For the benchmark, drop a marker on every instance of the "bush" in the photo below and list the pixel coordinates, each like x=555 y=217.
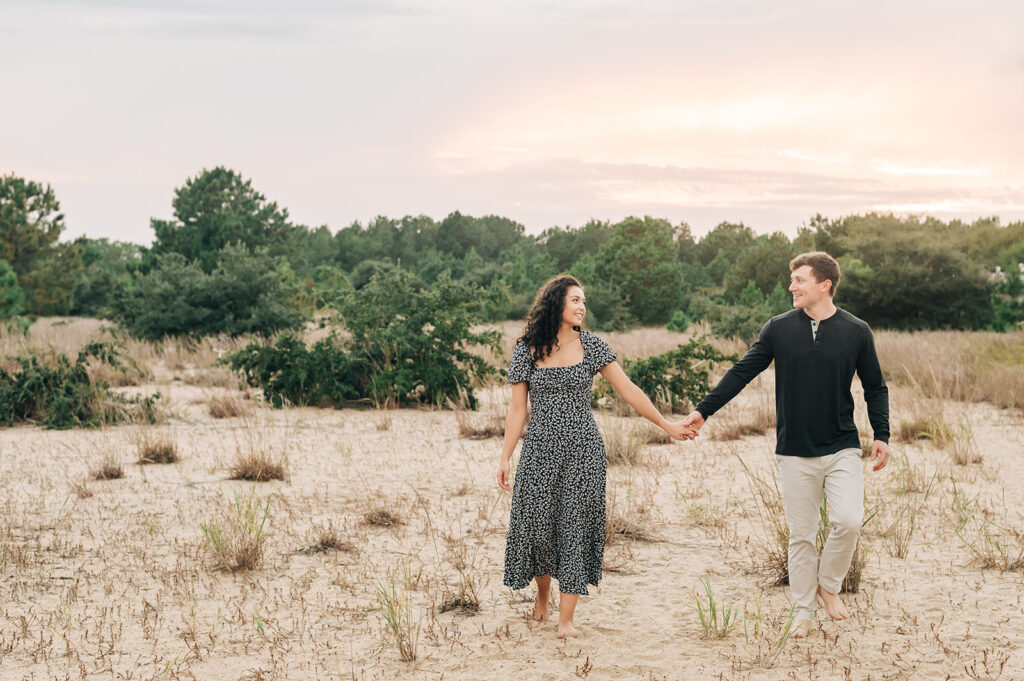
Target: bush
x=409 y=344
x=63 y=395
x=675 y=380
x=289 y=372
x=246 y=293
x=680 y=322
x=413 y=341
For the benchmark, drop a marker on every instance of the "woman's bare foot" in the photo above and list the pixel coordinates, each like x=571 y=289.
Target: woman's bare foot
x=801 y=629
x=566 y=629
x=834 y=606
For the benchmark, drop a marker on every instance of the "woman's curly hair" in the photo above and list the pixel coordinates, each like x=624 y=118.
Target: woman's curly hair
x=545 y=317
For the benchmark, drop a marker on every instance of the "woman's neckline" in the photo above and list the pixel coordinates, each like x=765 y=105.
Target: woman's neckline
x=570 y=366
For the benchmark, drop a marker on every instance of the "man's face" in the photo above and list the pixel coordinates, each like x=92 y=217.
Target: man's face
x=806 y=290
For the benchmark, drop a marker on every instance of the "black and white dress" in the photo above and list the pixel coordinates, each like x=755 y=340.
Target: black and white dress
x=558 y=502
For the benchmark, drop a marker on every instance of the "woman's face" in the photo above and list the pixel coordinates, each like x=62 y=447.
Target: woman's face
x=575 y=306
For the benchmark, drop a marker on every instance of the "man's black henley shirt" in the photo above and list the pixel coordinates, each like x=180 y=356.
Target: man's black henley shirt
x=814 y=405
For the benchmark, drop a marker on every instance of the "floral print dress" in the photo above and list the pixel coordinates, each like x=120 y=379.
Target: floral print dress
x=556 y=526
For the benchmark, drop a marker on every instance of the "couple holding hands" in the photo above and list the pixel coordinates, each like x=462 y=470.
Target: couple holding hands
x=557 y=522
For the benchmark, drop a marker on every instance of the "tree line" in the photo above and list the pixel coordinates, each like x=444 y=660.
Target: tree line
x=232 y=261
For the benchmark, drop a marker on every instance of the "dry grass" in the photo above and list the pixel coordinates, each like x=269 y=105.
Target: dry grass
x=740 y=423
x=257 y=466
x=396 y=612
x=476 y=426
x=236 y=537
x=630 y=517
x=653 y=435
x=229 y=406
x=966 y=366
x=623 y=440
x=157 y=448
x=381 y=515
x=326 y=537
x=110 y=469
x=769 y=547
x=259 y=455
x=911 y=478
x=465 y=598
x=963 y=449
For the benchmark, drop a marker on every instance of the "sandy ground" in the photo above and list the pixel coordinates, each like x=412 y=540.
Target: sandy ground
x=114 y=579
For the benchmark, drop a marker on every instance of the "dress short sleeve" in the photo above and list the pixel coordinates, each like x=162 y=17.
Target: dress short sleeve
x=598 y=353
x=521 y=365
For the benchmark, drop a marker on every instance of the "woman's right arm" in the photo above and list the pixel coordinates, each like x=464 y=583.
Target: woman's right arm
x=514 y=423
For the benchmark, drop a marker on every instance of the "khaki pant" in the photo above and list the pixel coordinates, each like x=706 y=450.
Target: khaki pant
x=802 y=480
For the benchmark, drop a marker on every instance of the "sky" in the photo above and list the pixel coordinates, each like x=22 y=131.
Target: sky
x=549 y=113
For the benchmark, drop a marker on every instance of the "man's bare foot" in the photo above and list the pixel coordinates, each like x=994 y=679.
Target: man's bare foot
x=801 y=629
x=540 y=608
x=567 y=630
x=834 y=606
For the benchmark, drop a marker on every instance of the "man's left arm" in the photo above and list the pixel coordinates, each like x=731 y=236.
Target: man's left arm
x=876 y=395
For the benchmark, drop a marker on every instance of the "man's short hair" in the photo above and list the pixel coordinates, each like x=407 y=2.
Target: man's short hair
x=823 y=266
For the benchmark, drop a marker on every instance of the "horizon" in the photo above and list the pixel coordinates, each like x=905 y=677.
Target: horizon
x=550 y=116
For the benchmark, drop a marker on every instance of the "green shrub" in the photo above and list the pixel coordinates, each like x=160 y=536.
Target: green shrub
x=680 y=322
x=415 y=339
x=246 y=293
x=288 y=371
x=675 y=380
x=64 y=396
x=409 y=344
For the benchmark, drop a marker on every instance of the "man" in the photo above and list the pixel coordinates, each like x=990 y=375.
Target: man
x=816 y=347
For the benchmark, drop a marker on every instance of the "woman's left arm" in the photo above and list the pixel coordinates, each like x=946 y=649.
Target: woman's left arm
x=637 y=399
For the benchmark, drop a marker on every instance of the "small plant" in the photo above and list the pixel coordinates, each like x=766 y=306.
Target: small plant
x=382 y=516
x=228 y=406
x=396 y=613
x=157 y=449
x=324 y=538
x=257 y=466
x=901 y=531
x=910 y=478
x=716 y=618
x=963 y=448
x=257 y=458
x=766 y=637
x=236 y=539
x=465 y=597
x=110 y=469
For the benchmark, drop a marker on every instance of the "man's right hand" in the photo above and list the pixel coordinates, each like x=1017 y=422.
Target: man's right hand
x=694 y=420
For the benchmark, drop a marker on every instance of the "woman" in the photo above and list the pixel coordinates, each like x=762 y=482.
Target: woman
x=556 y=528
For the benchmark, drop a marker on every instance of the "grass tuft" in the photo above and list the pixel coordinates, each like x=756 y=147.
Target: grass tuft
x=716 y=618
x=395 y=611
x=237 y=537
x=110 y=469
x=228 y=406
x=326 y=538
x=380 y=516
x=157 y=449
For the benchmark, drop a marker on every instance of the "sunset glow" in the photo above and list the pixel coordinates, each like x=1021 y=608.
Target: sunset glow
x=695 y=113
